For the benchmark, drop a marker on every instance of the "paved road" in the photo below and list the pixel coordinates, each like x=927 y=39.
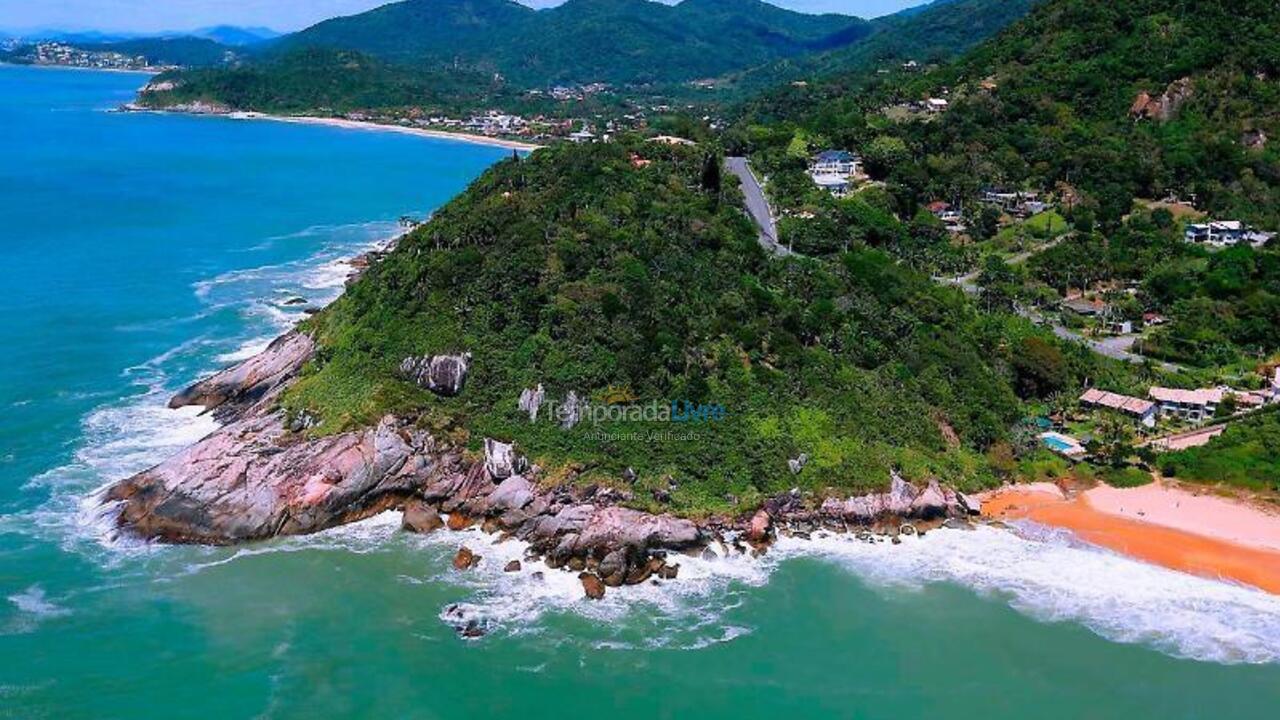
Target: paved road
x=969 y=283
x=1118 y=347
x=757 y=205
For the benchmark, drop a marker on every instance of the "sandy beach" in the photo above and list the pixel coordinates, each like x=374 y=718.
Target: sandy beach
x=380 y=127
x=1164 y=525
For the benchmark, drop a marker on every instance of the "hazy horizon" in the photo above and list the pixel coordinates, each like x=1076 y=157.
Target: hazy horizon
x=155 y=16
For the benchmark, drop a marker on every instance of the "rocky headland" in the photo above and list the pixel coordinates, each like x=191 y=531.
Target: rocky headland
x=263 y=475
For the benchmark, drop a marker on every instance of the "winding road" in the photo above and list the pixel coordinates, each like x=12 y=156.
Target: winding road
x=757 y=205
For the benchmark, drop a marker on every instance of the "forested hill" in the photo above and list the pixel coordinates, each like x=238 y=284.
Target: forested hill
x=1117 y=100
x=626 y=273
x=584 y=40
x=926 y=34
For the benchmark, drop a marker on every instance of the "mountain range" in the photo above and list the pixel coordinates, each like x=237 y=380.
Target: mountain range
x=621 y=41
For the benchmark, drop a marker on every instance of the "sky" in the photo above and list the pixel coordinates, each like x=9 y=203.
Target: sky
x=283 y=15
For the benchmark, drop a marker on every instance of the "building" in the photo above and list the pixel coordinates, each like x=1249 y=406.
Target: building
x=936 y=105
x=1085 y=308
x=837 y=185
x=582 y=136
x=1144 y=411
x=1189 y=405
x=1225 y=233
x=671 y=140
x=835 y=162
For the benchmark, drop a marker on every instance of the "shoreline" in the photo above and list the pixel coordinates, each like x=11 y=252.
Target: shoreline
x=1199 y=534
x=118 y=71
x=344 y=124
x=382 y=127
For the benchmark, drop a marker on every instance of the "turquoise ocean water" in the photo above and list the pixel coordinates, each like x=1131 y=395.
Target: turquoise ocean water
x=139 y=251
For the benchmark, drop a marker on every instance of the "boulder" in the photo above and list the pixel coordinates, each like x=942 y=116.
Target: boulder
x=931 y=503
x=592 y=586
x=572 y=411
x=970 y=504
x=614 y=568
x=531 y=401
x=240 y=387
x=420 y=517
x=514 y=493
x=465 y=559
x=444 y=375
x=797 y=464
x=501 y=460
x=513 y=566
x=459 y=521
x=759 y=527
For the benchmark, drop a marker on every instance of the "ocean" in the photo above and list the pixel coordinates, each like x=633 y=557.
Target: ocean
x=139 y=252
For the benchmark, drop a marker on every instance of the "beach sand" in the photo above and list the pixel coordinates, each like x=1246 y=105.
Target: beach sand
x=1200 y=534
x=381 y=127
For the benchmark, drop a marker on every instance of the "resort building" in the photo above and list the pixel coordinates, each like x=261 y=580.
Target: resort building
x=1144 y=411
x=1190 y=405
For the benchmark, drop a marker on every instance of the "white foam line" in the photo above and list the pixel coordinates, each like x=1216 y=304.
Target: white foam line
x=1045 y=574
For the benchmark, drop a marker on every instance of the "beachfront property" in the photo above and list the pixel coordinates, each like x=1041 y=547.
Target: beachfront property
x=1218 y=234
x=835 y=170
x=1143 y=411
x=582 y=136
x=1190 y=405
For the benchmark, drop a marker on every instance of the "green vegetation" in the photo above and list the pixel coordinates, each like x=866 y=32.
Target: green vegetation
x=333 y=81
x=618 y=41
x=1246 y=455
x=579 y=271
x=184 y=51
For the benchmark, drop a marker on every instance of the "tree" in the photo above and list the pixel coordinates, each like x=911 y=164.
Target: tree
x=711 y=175
x=1040 y=368
x=884 y=154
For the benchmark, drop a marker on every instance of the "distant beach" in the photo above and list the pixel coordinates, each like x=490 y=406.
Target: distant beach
x=381 y=127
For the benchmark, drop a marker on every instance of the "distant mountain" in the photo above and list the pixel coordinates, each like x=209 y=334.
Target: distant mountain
x=927 y=33
x=236 y=36
x=584 y=40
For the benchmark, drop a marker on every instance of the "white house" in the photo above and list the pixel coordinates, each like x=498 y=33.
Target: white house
x=835 y=162
x=837 y=185
x=1225 y=233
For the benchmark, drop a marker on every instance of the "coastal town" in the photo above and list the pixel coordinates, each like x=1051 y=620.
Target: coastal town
x=58 y=54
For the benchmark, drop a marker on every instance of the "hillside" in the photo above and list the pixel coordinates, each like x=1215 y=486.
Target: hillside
x=338 y=81
x=619 y=41
x=185 y=51
x=585 y=271
x=939 y=31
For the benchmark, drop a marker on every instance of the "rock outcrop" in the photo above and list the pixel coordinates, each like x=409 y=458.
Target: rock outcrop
x=236 y=390
x=252 y=480
x=1164 y=107
x=902 y=501
x=444 y=375
x=531 y=400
